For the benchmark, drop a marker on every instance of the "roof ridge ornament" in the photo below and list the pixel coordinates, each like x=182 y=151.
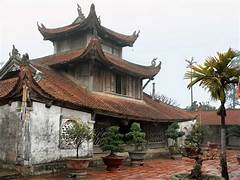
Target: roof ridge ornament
x=80 y=13
x=92 y=8
x=99 y=19
x=14 y=54
x=25 y=59
x=153 y=62
x=136 y=34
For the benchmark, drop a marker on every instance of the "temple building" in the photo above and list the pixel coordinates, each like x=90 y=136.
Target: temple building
x=85 y=80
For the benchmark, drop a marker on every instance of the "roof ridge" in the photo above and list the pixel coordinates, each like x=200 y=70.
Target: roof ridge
x=93 y=22
x=58 y=54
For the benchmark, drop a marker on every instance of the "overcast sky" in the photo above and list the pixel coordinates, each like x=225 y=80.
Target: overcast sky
x=172 y=30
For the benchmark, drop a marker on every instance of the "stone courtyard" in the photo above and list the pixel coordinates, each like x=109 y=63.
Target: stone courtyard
x=161 y=169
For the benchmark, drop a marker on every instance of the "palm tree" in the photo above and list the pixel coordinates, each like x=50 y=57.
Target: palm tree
x=216 y=76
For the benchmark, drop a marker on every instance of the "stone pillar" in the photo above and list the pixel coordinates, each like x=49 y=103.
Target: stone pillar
x=91 y=125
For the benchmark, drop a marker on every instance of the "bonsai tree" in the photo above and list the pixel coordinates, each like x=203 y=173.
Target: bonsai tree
x=112 y=140
x=136 y=136
x=173 y=133
x=193 y=141
x=195 y=138
x=79 y=133
x=217 y=75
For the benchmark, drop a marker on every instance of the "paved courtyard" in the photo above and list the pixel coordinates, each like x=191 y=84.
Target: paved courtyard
x=161 y=169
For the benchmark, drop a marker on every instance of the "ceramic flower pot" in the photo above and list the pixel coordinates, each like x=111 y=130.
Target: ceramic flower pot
x=113 y=162
x=78 y=166
x=137 y=157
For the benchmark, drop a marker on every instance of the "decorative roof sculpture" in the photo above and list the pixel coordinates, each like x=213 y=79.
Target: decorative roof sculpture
x=92 y=23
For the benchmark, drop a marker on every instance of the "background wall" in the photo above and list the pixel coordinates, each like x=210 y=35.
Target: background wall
x=45 y=128
x=9 y=124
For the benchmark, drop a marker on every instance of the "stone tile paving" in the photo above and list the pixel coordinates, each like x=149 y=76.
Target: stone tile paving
x=160 y=169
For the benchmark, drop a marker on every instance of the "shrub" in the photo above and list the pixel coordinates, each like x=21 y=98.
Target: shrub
x=195 y=137
x=173 y=132
x=193 y=140
x=112 y=140
x=80 y=132
x=136 y=136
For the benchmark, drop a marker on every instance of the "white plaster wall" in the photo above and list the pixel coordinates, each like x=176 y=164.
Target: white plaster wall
x=9 y=119
x=185 y=127
x=45 y=133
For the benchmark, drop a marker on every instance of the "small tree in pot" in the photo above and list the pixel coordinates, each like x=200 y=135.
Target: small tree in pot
x=193 y=150
x=137 y=138
x=112 y=141
x=79 y=133
x=173 y=133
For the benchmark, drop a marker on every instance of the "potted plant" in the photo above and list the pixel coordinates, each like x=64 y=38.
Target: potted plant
x=193 y=149
x=194 y=140
x=173 y=133
x=112 y=141
x=79 y=133
x=137 y=138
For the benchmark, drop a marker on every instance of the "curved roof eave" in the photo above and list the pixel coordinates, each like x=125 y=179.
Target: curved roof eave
x=94 y=49
x=91 y=22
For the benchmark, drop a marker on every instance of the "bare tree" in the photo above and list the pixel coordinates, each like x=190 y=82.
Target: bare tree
x=203 y=106
x=164 y=99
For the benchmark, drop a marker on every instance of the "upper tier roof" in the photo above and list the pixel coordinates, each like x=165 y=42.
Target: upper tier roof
x=94 y=48
x=92 y=24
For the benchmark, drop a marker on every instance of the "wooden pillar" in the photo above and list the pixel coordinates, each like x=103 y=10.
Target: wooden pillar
x=23 y=138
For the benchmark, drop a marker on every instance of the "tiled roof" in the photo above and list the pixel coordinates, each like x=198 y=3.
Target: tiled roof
x=90 y=22
x=105 y=58
x=59 y=58
x=6 y=86
x=211 y=117
x=147 y=109
x=66 y=93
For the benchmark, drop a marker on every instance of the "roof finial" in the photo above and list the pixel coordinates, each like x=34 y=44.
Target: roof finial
x=99 y=19
x=92 y=10
x=15 y=54
x=135 y=33
x=25 y=58
x=154 y=62
x=80 y=13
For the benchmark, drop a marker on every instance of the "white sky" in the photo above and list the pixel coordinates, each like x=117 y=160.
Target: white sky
x=171 y=30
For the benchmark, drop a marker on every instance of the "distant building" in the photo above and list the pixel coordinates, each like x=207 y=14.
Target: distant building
x=85 y=80
x=212 y=121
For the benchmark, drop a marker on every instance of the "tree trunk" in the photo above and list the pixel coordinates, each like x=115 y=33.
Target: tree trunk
x=223 y=158
x=77 y=149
